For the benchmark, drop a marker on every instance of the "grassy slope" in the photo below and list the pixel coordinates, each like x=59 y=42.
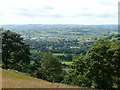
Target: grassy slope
x=16 y=80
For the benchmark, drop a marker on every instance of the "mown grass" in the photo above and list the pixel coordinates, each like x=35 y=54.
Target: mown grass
x=12 y=79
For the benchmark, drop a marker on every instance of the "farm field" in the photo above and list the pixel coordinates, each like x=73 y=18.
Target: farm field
x=64 y=56
x=65 y=42
x=60 y=31
x=67 y=63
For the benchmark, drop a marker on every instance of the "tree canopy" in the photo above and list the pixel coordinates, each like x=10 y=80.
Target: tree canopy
x=15 y=52
x=99 y=68
x=48 y=68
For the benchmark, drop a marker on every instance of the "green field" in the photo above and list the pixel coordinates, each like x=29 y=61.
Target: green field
x=67 y=63
x=80 y=32
x=58 y=54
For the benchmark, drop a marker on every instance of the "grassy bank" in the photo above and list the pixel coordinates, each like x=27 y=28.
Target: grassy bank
x=12 y=79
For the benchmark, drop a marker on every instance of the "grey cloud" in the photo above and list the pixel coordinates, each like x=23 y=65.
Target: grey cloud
x=28 y=13
x=36 y=9
x=82 y=14
x=35 y=12
x=86 y=14
x=105 y=15
x=49 y=7
x=24 y=12
x=108 y=3
x=23 y=9
x=2 y=14
x=55 y=16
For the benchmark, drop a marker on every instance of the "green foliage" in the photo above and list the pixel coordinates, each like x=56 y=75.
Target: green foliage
x=62 y=49
x=15 y=53
x=48 y=67
x=99 y=68
x=103 y=66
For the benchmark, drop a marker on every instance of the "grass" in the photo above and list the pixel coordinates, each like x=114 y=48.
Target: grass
x=12 y=79
x=58 y=54
x=67 y=63
x=75 y=47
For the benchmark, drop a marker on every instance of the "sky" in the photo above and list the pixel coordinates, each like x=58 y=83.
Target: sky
x=85 y=12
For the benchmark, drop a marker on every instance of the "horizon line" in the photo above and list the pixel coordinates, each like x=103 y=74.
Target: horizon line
x=57 y=24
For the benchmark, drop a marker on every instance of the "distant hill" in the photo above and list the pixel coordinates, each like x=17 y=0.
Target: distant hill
x=114 y=37
x=12 y=79
x=53 y=26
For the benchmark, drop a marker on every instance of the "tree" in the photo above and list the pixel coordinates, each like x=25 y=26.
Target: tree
x=102 y=63
x=69 y=57
x=50 y=69
x=99 y=68
x=1 y=46
x=15 y=53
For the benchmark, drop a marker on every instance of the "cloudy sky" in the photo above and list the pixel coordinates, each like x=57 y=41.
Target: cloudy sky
x=59 y=11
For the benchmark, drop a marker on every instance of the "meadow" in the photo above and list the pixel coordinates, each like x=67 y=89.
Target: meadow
x=12 y=79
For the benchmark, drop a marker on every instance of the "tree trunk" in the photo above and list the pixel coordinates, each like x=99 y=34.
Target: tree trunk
x=6 y=63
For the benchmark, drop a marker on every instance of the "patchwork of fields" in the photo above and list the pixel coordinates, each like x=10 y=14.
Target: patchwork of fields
x=66 y=42
x=68 y=32
x=56 y=53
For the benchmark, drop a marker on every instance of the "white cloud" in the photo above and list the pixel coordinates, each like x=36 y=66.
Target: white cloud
x=59 y=11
